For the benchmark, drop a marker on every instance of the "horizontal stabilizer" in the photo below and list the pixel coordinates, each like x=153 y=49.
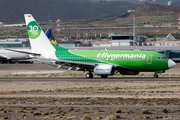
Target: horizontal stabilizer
x=19 y=51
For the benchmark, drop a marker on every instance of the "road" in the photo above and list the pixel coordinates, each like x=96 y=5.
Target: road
x=50 y=79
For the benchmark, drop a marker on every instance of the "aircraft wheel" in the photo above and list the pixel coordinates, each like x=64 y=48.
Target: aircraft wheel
x=104 y=76
x=155 y=76
x=89 y=75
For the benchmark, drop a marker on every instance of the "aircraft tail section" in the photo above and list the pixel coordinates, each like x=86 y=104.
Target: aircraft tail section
x=38 y=40
x=48 y=33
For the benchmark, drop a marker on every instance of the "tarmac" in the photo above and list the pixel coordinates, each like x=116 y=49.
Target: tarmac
x=33 y=69
x=95 y=106
x=7 y=69
x=83 y=79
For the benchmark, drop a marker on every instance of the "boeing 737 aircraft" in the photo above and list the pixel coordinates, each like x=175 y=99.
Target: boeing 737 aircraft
x=99 y=62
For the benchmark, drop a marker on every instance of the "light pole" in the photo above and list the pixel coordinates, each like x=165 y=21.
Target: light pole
x=134 y=13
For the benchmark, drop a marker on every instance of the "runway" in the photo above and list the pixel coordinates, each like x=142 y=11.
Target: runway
x=50 y=79
x=95 y=106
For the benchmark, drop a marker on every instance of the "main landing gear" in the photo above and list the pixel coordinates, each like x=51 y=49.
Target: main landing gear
x=89 y=75
x=104 y=76
x=155 y=76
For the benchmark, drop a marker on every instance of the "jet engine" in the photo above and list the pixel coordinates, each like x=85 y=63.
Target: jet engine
x=104 y=69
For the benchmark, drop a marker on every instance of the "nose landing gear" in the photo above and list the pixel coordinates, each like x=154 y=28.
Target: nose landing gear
x=155 y=76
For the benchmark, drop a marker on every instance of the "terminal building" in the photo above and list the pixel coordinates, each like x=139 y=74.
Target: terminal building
x=14 y=43
x=127 y=40
x=116 y=40
x=24 y=43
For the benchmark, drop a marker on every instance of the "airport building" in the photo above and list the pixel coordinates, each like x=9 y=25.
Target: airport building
x=1 y=25
x=24 y=43
x=126 y=40
x=116 y=40
x=69 y=43
x=14 y=43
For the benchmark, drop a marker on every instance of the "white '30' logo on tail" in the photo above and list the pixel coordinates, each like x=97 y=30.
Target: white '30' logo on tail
x=34 y=29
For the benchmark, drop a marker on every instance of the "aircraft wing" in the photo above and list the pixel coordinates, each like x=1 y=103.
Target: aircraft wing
x=32 y=53
x=78 y=66
x=59 y=63
x=70 y=65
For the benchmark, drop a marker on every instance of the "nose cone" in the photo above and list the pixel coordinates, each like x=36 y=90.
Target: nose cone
x=171 y=63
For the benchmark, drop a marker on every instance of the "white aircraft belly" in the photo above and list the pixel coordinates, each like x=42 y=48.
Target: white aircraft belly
x=14 y=55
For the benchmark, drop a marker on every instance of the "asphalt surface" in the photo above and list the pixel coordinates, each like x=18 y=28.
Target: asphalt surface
x=50 y=79
x=100 y=106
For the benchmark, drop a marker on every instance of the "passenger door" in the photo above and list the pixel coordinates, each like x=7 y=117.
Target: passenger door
x=149 y=59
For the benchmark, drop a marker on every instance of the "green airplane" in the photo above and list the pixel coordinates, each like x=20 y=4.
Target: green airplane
x=99 y=62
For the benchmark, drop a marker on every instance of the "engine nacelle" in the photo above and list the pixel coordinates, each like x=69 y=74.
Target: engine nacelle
x=104 y=69
x=130 y=72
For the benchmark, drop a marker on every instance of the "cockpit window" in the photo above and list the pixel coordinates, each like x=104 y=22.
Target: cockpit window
x=161 y=58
